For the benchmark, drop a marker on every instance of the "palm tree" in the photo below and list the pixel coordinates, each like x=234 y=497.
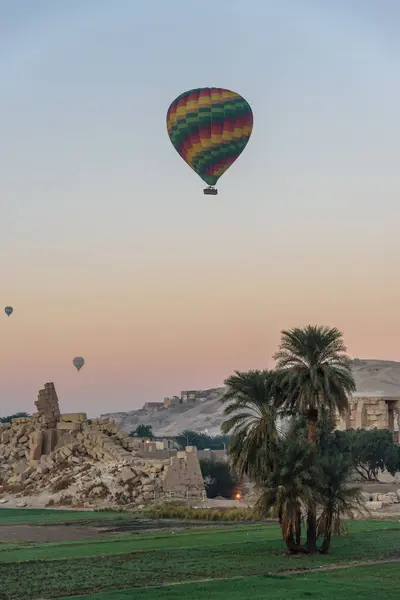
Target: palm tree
x=337 y=497
x=289 y=488
x=318 y=379
x=252 y=422
x=317 y=371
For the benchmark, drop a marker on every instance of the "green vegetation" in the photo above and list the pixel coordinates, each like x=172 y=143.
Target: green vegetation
x=202 y=441
x=37 y=516
x=218 y=478
x=361 y=583
x=143 y=431
x=17 y=415
x=301 y=472
x=175 y=511
x=129 y=562
x=372 y=451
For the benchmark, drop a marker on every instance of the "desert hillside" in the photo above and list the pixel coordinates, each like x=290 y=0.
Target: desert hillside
x=373 y=378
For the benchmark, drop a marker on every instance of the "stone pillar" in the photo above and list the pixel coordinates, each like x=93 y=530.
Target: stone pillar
x=183 y=476
x=47 y=406
x=343 y=423
x=360 y=415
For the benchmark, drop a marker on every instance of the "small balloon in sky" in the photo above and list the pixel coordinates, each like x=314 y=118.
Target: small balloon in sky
x=78 y=362
x=9 y=310
x=209 y=128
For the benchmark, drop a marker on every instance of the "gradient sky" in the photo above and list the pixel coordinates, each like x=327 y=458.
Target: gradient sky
x=109 y=248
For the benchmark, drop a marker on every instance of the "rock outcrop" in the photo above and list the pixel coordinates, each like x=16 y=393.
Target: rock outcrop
x=91 y=463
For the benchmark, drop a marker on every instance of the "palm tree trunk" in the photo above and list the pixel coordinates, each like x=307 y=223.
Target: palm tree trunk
x=327 y=535
x=312 y=528
x=326 y=543
x=312 y=419
x=293 y=547
x=298 y=527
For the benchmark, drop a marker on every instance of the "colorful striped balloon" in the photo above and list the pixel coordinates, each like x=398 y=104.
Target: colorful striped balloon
x=209 y=128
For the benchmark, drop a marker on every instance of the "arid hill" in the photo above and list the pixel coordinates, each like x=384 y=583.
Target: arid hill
x=373 y=378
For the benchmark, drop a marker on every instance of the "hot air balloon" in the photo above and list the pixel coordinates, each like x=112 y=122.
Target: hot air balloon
x=78 y=362
x=209 y=128
x=9 y=310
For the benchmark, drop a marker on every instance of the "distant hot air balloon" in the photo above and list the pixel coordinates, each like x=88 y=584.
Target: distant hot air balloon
x=78 y=362
x=8 y=310
x=209 y=128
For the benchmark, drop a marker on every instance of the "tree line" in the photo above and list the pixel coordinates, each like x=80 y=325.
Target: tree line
x=303 y=473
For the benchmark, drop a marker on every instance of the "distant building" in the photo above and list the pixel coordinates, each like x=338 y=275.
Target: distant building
x=192 y=395
x=368 y=411
x=169 y=442
x=173 y=401
x=153 y=406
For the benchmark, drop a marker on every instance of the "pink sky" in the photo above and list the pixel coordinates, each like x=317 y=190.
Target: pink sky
x=109 y=248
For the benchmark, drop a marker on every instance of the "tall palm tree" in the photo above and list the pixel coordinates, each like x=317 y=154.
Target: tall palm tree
x=251 y=422
x=318 y=379
x=317 y=371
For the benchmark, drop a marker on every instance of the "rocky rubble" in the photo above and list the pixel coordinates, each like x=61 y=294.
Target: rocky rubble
x=376 y=501
x=86 y=463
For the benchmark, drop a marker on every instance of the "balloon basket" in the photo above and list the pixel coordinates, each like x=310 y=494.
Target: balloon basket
x=210 y=191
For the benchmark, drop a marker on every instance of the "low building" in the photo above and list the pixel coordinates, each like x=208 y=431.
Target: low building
x=188 y=395
x=173 y=401
x=153 y=406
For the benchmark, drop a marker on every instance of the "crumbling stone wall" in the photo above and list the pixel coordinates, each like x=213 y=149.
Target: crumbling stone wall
x=47 y=406
x=92 y=461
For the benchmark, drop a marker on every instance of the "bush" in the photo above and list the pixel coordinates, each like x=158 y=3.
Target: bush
x=218 y=478
x=372 y=451
x=177 y=511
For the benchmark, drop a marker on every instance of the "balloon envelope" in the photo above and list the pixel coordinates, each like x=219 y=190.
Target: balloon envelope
x=78 y=362
x=8 y=310
x=209 y=128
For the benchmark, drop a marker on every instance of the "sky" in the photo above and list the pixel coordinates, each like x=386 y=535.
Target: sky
x=109 y=248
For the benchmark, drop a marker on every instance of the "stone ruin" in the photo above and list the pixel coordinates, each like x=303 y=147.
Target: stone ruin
x=69 y=460
x=368 y=412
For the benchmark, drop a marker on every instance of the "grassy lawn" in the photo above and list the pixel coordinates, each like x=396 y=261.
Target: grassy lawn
x=38 y=516
x=139 y=560
x=360 y=583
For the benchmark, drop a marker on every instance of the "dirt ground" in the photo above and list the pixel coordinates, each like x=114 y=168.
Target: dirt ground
x=46 y=533
x=66 y=533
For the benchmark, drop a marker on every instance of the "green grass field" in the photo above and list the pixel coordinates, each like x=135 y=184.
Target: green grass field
x=38 y=516
x=249 y=558
x=361 y=583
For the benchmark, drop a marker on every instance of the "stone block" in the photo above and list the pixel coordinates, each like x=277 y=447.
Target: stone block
x=127 y=474
x=375 y=505
x=35 y=445
x=42 y=469
x=50 y=438
x=65 y=452
x=25 y=474
x=73 y=417
x=68 y=426
x=5 y=437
